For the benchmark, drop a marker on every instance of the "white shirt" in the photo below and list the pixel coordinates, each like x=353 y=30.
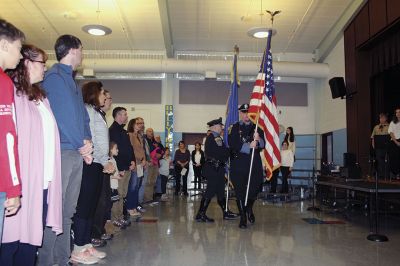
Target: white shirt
x=164 y=166
x=395 y=129
x=292 y=146
x=197 y=157
x=49 y=152
x=114 y=181
x=287 y=158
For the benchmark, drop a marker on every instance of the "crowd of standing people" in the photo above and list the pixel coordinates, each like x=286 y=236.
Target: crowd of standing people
x=79 y=179
x=83 y=180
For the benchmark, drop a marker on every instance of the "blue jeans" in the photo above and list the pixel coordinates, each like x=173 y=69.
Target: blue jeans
x=16 y=253
x=158 y=185
x=135 y=183
x=2 y=200
x=143 y=185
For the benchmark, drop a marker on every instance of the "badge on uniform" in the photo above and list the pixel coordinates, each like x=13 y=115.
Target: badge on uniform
x=219 y=141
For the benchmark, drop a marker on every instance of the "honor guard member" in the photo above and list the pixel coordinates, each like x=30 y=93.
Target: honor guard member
x=216 y=154
x=243 y=137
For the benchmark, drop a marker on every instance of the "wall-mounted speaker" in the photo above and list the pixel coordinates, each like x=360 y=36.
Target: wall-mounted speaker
x=338 y=88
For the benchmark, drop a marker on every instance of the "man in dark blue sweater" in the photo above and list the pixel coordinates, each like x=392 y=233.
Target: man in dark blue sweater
x=73 y=123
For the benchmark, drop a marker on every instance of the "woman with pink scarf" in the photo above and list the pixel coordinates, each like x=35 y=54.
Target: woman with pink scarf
x=40 y=166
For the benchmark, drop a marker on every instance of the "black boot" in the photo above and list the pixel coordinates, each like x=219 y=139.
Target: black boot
x=228 y=215
x=249 y=208
x=201 y=214
x=242 y=213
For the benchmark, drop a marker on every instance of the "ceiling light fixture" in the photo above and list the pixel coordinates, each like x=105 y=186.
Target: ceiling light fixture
x=97 y=30
x=260 y=32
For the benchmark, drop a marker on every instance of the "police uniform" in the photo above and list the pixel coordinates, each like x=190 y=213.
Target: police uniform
x=216 y=154
x=240 y=136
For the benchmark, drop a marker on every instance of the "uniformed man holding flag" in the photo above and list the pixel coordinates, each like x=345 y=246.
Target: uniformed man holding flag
x=214 y=171
x=243 y=137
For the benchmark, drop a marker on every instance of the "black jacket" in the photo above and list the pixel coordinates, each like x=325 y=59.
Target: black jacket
x=120 y=136
x=202 y=158
x=215 y=148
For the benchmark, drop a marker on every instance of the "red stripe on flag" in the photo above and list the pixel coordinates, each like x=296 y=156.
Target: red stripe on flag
x=275 y=126
x=260 y=104
x=269 y=138
x=260 y=83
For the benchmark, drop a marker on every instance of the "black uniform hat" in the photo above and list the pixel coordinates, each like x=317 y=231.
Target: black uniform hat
x=215 y=122
x=244 y=108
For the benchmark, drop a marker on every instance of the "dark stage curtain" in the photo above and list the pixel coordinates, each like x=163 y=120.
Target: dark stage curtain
x=385 y=92
x=377 y=96
x=386 y=53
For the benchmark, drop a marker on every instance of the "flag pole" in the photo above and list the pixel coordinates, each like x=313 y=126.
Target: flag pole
x=236 y=52
x=257 y=118
x=227 y=188
x=251 y=163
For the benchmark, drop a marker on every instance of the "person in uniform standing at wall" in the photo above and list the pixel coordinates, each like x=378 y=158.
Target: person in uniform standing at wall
x=243 y=137
x=214 y=169
x=380 y=152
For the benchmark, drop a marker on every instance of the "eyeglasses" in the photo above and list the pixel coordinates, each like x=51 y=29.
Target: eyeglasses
x=38 y=61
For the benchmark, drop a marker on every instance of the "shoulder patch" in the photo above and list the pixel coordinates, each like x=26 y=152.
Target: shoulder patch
x=219 y=141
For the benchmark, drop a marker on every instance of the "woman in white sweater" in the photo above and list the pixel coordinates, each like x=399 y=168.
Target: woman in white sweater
x=287 y=160
x=290 y=139
x=92 y=175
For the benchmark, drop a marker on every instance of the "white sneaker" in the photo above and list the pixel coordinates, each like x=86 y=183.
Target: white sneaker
x=95 y=253
x=140 y=208
x=134 y=213
x=83 y=257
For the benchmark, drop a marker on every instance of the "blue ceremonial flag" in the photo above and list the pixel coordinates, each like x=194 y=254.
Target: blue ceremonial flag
x=232 y=113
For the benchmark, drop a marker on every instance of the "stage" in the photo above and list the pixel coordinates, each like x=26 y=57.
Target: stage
x=349 y=195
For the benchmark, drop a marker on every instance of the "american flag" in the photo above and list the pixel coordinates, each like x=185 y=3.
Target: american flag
x=263 y=107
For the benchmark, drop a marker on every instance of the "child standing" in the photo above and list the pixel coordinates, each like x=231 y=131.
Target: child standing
x=165 y=165
x=10 y=187
x=116 y=199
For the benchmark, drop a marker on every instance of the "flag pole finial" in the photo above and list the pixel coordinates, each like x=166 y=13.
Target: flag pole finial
x=236 y=49
x=273 y=14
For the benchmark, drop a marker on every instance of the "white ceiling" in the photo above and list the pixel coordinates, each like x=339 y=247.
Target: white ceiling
x=193 y=25
x=216 y=25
